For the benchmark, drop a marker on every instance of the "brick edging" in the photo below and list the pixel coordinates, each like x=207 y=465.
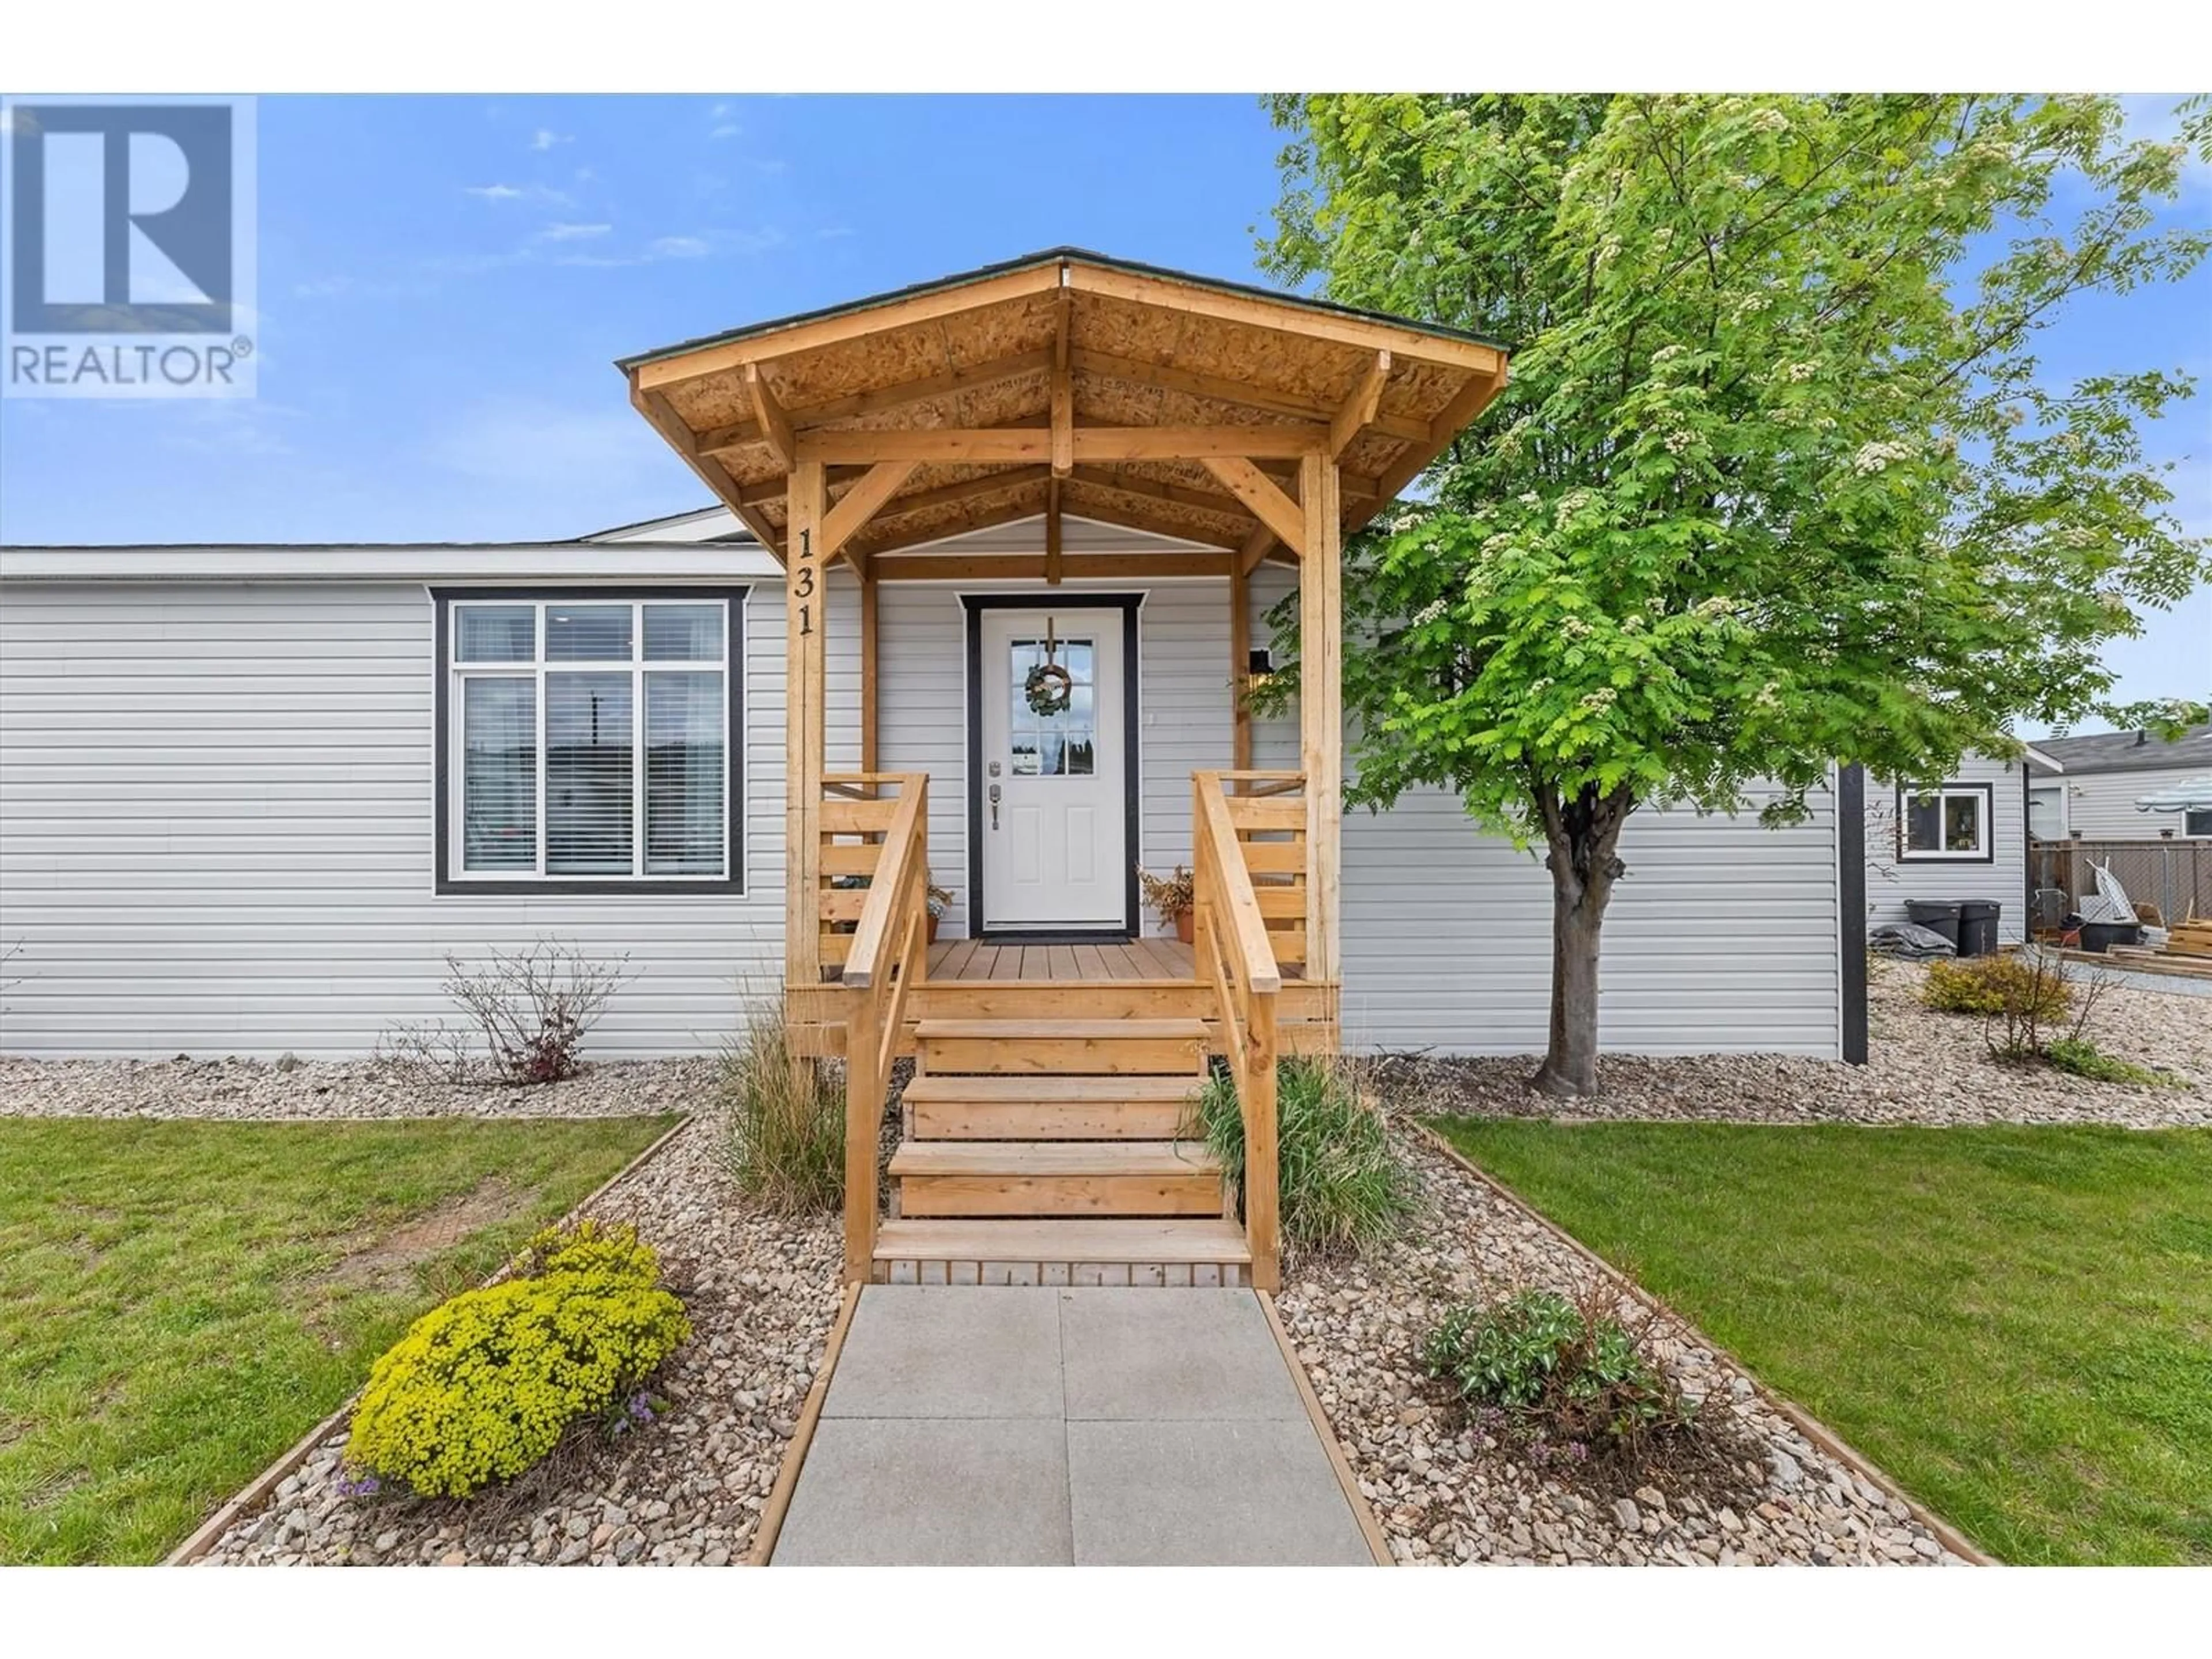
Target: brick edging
x=257 y=1491
x=1805 y=1423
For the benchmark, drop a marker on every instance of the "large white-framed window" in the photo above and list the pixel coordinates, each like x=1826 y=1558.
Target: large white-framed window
x=1946 y=823
x=590 y=739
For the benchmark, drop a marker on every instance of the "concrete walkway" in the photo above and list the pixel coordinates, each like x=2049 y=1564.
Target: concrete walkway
x=970 y=1426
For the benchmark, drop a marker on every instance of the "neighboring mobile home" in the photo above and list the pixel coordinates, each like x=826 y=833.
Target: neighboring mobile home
x=1964 y=837
x=2106 y=773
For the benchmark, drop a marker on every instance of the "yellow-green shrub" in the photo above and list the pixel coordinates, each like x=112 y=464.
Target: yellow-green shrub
x=1995 y=986
x=483 y=1387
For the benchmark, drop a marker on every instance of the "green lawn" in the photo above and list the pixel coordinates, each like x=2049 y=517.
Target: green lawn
x=180 y=1301
x=2014 y=1323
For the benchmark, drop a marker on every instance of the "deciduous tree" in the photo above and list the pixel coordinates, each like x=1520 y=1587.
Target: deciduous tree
x=1778 y=482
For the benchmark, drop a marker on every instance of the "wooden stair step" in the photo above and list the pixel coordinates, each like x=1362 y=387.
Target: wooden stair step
x=1056 y=1157
x=1042 y=1106
x=1055 y=1178
x=1055 y=1252
x=1030 y=1030
x=1083 y=1046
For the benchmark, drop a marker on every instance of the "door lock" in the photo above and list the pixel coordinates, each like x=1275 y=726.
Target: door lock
x=994 y=806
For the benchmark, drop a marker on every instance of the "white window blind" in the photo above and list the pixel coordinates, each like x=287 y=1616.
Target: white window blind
x=592 y=739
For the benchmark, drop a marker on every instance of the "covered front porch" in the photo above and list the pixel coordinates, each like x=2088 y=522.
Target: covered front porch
x=1037 y=500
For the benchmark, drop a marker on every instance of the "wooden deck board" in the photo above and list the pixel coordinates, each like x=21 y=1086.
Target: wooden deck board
x=965 y=959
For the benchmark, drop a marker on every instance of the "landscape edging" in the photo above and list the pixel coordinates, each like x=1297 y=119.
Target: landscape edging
x=256 y=1492
x=1805 y=1423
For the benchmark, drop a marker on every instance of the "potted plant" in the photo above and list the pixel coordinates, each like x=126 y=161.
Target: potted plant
x=939 y=901
x=1172 y=897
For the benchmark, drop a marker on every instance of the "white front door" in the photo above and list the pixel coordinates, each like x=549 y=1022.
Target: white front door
x=1052 y=785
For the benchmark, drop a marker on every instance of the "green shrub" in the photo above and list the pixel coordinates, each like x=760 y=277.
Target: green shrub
x=1994 y=986
x=1554 y=1366
x=2082 y=1058
x=484 y=1386
x=785 y=1120
x=1342 y=1184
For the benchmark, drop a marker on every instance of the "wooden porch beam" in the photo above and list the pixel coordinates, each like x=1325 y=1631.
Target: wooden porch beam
x=1016 y=567
x=661 y=415
x=1052 y=549
x=1473 y=398
x=860 y=503
x=1358 y=411
x=1320 y=709
x=1255 y=548
x=805 y=595
x=929 y=387
x=1212 y=501
x=991 y=484
x=1087 y=443
x=1261 y=499
x=1063 y=391
x=775 y=425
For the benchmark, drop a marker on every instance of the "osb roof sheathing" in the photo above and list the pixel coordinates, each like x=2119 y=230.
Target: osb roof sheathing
x=1146 y=348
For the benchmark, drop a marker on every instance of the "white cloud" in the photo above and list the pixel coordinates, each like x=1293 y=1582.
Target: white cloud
x=677 y=247
x=561 y=232
x=545 y=138
x=516 y=193
x=728 y=129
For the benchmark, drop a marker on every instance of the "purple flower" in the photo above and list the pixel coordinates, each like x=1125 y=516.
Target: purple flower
x=367 y=1487
x=641 y=1406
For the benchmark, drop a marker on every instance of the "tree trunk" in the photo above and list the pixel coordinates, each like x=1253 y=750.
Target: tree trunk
x=1582 y=834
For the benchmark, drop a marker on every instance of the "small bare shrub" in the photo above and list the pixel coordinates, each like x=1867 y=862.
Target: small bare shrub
x=785 y=1118
x=530 y=1009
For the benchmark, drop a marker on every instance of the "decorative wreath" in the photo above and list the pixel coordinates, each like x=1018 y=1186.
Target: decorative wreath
x=1049 y=688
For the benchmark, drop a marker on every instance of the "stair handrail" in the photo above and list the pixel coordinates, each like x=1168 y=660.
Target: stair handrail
x=1231 y=951
x=888 y=956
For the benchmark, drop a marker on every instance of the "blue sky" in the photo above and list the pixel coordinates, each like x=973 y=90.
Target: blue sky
x=445 y=283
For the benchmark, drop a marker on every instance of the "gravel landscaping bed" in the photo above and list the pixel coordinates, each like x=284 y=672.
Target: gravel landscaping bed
x=1922 y=1067
x=1447 y=1493
x=762 y=1292
x=266 y=1090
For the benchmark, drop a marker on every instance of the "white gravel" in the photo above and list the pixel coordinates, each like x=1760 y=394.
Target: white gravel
x=1922 y=1067
x=1448 y=1495
x=270 y=1090
x=762 y=1292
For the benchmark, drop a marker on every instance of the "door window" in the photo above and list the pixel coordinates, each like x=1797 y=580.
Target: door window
x=1063 y=743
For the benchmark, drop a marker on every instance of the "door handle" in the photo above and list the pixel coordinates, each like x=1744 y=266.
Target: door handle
x=994 y=806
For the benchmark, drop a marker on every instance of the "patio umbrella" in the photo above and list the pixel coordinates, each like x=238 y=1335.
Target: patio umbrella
x=2190 y=795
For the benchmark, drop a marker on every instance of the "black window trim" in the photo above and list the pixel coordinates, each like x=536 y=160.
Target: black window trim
x=1988 y=792
x=735 y=595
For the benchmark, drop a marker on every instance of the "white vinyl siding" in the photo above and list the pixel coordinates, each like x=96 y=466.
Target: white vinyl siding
x=216 y=836
x=2101 y=805
x=217 y=828
x=2002 y=880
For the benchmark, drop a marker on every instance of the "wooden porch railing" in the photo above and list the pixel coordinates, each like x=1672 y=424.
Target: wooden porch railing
x=881 y=838
x=1249 y=859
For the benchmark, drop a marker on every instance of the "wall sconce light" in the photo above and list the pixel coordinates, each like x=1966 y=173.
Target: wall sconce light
x=1259 y=666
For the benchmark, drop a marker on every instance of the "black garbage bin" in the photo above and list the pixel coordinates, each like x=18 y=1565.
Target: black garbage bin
x=1977 y=927
x=1940 y=918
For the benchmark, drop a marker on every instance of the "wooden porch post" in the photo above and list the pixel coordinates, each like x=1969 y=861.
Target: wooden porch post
x=806 y=601
x=1240 y=661
x=867 y=671
x=1321 y=705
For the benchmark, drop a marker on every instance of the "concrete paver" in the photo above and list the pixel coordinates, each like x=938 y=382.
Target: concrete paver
x=931 y=1492
x=995 y=1425
x=1231 y=1494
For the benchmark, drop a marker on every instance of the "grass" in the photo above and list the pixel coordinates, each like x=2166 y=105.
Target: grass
x=180 y=1301
x=2016 y=1323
